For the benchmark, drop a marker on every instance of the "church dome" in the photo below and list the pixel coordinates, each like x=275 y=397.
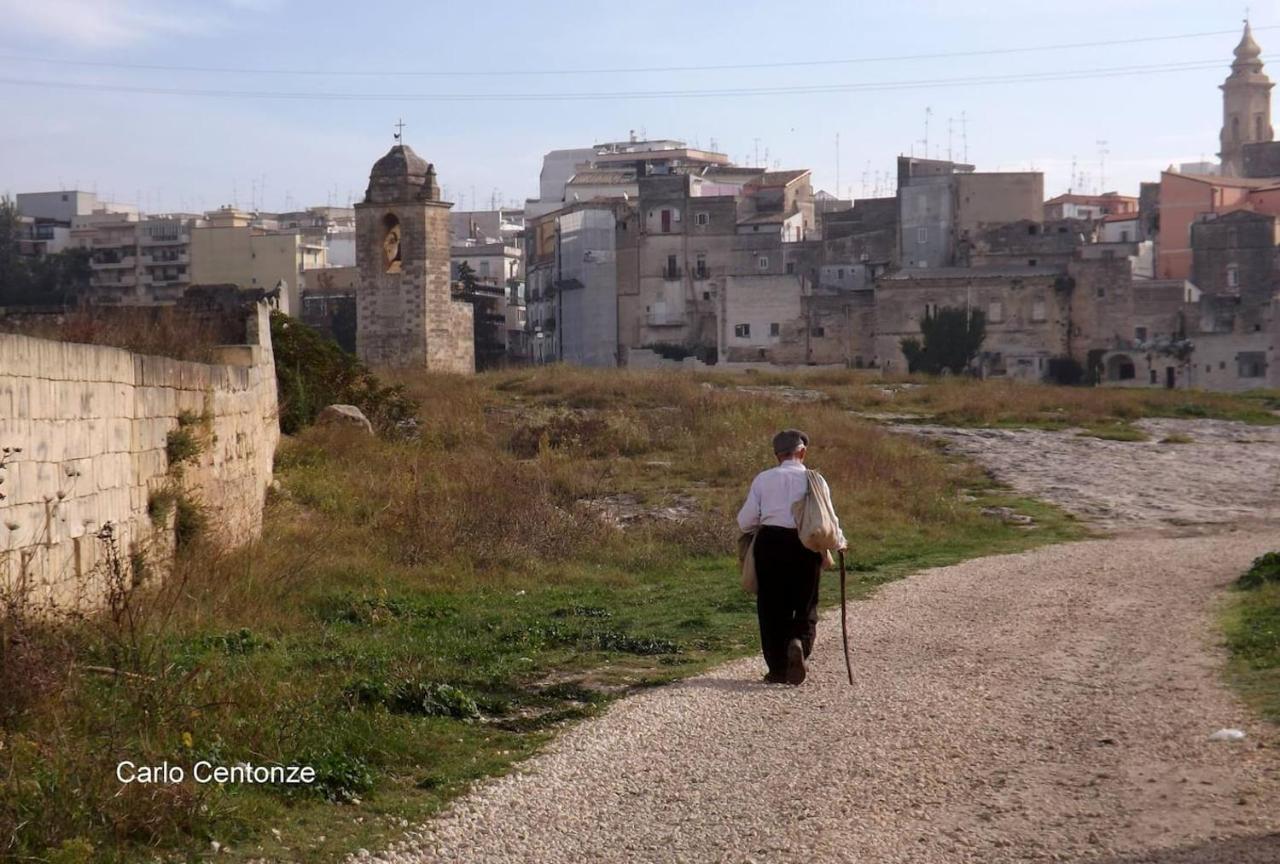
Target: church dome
x=402 y=175
x=1248 y=52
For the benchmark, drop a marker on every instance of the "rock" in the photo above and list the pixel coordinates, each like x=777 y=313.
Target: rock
x=1227 y=735
x=1004 y=514
x=344 y=415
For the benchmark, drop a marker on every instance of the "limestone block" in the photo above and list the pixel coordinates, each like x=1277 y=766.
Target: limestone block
x=148 y=464
x=17 y=432
x=112 y=470
x=50 y=362
x=18 y=355
x=159 y=372
x=191 y=401
x=119 y=434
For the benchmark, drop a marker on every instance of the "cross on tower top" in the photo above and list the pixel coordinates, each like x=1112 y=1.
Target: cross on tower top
x=399 y=133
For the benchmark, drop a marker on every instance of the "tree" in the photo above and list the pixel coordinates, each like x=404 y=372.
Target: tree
x=31 y=280
x=467 y=276
x=951 y=340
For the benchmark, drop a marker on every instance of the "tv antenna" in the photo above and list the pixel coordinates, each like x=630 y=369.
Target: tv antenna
x=1102 y=165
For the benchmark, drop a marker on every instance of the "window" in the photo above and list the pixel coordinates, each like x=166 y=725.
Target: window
x=1154 y=378
x=817 y=332
x=673 y=269
x=775 y=329
x=791 y=267
x=762 y=263
x=930 y=310
x=484 y=268
x=700 y=265
x=1031 y=229
x=1251 y=364
x=742 y=331
x=1038 y=312
x=995 y=313
x=1102 y=292
x=1031 y=262
x=702 y=218
x=1124 y=236
x=840 y=273
x=1233 y=276
x=922 y=234
x=1140 y=334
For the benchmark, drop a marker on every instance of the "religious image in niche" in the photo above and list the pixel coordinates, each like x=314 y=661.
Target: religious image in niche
x=391 y=248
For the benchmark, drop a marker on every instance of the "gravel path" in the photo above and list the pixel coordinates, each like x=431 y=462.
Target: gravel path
x=1051 y=705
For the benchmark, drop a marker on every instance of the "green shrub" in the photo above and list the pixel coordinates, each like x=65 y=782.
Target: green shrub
x=1265 y=568
x=189 y=521
x=181 y=445
x=312 y=372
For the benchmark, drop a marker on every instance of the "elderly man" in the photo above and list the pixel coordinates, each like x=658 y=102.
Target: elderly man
x=786 y=572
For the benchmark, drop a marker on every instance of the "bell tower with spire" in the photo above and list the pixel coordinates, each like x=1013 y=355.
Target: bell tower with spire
x=1246 y=105
x=405 y=312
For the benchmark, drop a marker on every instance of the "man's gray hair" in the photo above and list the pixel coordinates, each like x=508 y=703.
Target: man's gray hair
x=788 y=441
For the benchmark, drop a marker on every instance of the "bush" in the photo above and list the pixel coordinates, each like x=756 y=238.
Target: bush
x=1265 y=568
x=312 y=372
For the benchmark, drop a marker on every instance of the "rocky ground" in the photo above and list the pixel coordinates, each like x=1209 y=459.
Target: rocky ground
x=1221 y=474
x=1055 y=705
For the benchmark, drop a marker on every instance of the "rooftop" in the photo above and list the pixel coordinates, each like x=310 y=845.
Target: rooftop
x=920 y=274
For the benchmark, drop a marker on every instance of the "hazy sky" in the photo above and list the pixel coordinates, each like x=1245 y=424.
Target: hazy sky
x=188 y=151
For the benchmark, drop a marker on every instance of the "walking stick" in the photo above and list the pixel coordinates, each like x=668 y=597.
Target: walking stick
x=844 y=620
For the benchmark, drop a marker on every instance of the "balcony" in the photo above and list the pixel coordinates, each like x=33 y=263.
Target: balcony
x=671 y=273
x=125 y=262
x=166 y=260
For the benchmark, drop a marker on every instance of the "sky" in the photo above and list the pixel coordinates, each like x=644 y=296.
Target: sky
x=281 y=105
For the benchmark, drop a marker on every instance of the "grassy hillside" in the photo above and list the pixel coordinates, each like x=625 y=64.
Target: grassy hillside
x=423 y=612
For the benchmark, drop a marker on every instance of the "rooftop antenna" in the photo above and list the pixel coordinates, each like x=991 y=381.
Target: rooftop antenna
x=964 y=136
x=928 y=112
x=837 y=164
x=756 y=161
x=1102 y=165
x=399 y=133
x=1072 y=182
x=712 y=145
x=950 y=123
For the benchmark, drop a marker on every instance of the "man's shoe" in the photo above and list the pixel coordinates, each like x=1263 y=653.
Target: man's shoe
x=775 y=678
x=795 y=663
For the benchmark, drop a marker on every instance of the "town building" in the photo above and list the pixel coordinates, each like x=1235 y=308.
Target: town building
x=942 y=203
x=228 y=249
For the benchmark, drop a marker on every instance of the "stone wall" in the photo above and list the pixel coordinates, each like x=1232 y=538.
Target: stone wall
x=94 y=423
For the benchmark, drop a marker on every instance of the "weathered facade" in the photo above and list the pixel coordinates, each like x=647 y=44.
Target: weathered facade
x=406 y=313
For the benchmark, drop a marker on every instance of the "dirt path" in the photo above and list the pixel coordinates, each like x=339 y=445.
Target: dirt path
x=1051 y=705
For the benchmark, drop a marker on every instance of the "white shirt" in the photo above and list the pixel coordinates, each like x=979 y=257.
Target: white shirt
x=772 y=494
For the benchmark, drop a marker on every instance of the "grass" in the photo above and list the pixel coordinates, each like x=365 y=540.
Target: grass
x=423 y=613
x=970 y=402
x=1251 y=624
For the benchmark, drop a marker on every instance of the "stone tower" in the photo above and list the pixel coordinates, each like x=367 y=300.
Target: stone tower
x=1246 y=105
x=405 y=312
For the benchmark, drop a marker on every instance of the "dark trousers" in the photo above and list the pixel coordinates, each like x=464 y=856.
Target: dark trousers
x=787 y=601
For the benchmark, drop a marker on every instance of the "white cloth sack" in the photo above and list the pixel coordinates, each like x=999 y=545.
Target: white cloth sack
x=815 y=517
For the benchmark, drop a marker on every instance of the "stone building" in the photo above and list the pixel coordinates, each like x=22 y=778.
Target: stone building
x=941 y=204
x=1234 y=254
x=1246 y=105
x=406 y=314
x=1027 y=309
